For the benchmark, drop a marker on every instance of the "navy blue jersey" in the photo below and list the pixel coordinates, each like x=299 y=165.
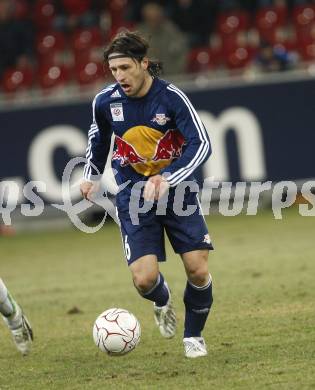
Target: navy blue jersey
x=159 y=133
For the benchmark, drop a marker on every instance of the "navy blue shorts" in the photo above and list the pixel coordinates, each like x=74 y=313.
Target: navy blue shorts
x=185 y=233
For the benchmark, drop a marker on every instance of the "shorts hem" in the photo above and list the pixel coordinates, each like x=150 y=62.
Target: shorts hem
x=194 y=248
x=159 y=259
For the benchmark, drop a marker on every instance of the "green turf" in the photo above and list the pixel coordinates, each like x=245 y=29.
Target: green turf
x=260 y=334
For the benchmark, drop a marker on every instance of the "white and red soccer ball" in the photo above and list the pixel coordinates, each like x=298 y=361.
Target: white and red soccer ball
x=116 y=331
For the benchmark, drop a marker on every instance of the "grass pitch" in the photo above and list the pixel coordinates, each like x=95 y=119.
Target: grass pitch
x=260 y=334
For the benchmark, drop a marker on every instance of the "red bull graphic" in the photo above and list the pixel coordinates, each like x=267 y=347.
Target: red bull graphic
x=126 y=153
x=169 y=146
x=148 y=150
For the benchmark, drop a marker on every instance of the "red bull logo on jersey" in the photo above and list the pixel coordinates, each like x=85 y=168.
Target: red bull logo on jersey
x=148 y=150
x=126 y=153
x=160 y=119
x=169 y=146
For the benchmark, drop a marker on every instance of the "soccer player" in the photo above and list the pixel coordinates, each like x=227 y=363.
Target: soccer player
x=159 y=140
x=15 y=320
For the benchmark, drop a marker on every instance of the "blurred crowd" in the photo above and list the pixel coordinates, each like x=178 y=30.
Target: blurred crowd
x=52 y=43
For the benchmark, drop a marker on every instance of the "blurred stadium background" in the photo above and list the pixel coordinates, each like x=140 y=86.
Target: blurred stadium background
x=249 y=69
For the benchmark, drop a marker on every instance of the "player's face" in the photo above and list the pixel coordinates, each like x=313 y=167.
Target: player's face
x=132 y=75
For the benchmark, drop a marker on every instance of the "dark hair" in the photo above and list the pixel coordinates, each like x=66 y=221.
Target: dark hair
x=135 y=46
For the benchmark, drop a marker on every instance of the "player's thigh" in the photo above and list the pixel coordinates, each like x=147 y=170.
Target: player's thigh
x=145 y=238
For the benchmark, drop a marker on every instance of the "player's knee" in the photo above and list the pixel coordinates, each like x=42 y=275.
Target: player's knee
x=198 y=276
x=144 y=281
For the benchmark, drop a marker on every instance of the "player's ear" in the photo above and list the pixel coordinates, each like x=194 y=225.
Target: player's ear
x=145 y=63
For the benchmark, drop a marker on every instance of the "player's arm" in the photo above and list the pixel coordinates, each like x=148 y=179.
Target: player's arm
x=198 y=148
x=99 y=138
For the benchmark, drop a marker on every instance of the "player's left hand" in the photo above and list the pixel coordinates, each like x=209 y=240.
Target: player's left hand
x=155 y=188
x=88 y=189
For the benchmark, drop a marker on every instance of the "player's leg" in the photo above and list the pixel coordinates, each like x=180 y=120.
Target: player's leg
x=7 y=307
x=15 y=320
x=198 y=292
x=147 y=279
x=151 y=285
x=198 y=300
x=144 y=247
x=188 y=234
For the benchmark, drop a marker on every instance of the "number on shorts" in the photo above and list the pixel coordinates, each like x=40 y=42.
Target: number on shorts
x=127 y=248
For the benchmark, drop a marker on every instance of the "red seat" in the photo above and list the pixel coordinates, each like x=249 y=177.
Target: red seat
x=232 y=22
x=268 y=19
x=89 y=72
x=304 y=22
x=44 y=14
x=21 y=9
x=304 y=34
x=87 y=38
x=117 y=10
x=307 y=51
x=231 y=42
x=201 y=59
x=50 y=42
x=238 y=58
x=303 y=15
x=48 y=45
x=82 y=57
x=16 y=79
x=52 y=75
x=94 y=54
x=76 y=7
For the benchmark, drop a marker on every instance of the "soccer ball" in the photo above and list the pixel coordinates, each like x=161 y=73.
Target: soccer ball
x=116 y=331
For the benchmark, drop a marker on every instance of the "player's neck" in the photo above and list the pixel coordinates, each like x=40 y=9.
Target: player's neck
x=148 y=80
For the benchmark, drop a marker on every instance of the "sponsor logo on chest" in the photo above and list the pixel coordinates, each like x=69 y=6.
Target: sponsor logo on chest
x=117 y=112
x=160 y=119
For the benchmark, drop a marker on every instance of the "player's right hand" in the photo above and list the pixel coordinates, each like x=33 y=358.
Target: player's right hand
x=88 y=188
x=155 y=187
